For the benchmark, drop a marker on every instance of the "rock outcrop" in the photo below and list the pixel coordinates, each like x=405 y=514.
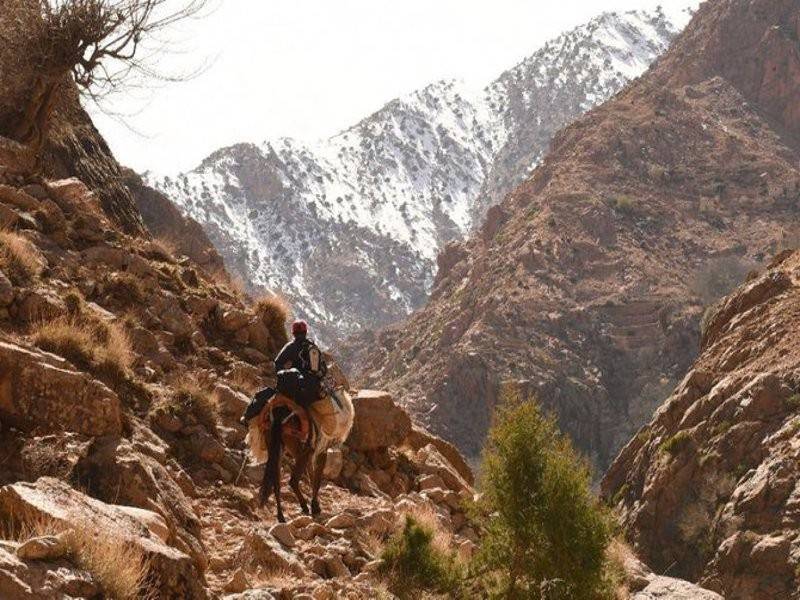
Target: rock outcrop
x=709 y=488
x=50 y=500
x=586 y=285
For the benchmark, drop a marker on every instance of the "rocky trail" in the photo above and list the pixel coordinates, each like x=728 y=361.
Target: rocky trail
x=124 y=370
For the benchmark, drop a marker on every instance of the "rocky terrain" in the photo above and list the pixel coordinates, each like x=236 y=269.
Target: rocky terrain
x=710 y=488
x=349 y=228
x=124 y=371
x=586 y=285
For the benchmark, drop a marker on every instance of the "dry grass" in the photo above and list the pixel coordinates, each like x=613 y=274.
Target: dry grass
x=119 y=567
x=425 y=515
x=274 y=311
x=126 y=287
x=67 y=337
x=278 y=578
x=19 y=258
x=190 y=398
x=617 y=553
x=115 y=355
x=88 y=343
x=164 y=249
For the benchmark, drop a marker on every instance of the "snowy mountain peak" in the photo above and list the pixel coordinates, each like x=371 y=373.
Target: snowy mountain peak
x=349 y=228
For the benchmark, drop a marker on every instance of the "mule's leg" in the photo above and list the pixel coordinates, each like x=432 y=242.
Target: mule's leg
x=272 y=470
x=301 y=462
x=318 y=467
x=277 y=489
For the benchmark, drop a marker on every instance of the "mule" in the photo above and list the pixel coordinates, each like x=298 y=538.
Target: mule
x=329 y=426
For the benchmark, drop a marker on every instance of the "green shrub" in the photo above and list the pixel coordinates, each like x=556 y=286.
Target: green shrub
x=793 y=402
x=673 y=445
x=545 y=532
x=624 y=204
x=413 y=563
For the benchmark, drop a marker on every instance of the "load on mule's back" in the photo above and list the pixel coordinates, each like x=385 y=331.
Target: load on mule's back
x=306 y=413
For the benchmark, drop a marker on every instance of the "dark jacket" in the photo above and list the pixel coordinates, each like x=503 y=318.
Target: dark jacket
x=289 y=356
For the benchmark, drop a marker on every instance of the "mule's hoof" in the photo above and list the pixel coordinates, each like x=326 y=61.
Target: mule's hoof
x=315 y=509
x=304 y=510
x=281 y=519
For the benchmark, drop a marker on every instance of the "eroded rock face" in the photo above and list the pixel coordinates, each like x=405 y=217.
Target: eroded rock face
x=51 y=499
x=711 y=485
x=42 y=392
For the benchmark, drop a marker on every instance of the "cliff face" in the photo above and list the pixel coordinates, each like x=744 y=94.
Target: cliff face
x=586 y=285
x=710 y=488
x=754 y=45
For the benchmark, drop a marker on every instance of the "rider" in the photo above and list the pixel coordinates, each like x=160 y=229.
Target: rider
x=300 y=369
x=300 y=357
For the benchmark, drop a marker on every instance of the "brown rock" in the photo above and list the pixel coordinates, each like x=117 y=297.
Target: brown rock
x=379 y=422
x=41 y=391
x=54 y=500
x=43 y=580
x=40 y=304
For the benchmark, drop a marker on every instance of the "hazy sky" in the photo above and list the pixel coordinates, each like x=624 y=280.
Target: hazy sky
x=309 y=68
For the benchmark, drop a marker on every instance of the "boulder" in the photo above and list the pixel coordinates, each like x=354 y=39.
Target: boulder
x=430 y=462
x=41 y=391
x=48 y=499
x=44 y=547
x=341 y=521
x=24 y=579
x=283 y=533
x=114 y=471
x=418 y=438
x=40 y=304
x=173 y=317
x=378 y=423
x=230 y=403
x=18 y=198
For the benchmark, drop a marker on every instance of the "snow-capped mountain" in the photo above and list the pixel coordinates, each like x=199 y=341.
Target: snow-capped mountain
x=348 y=228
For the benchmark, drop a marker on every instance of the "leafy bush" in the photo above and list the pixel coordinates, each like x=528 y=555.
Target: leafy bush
x=413 y=563
x=545 y=534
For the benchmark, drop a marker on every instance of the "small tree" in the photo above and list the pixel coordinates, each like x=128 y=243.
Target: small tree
x=545 y=535
x=95 y=43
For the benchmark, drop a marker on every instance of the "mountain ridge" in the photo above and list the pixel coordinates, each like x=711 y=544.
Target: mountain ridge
x=418 y=172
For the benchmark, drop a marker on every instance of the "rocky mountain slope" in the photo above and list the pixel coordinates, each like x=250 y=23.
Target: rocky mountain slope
x=124 y=371
x=710 y=488
x=349 y=228
x=585 y=286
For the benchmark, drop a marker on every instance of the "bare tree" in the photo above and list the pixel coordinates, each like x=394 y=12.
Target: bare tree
x=98 y=44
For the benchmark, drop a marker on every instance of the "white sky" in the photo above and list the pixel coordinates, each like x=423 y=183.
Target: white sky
x=309 y=68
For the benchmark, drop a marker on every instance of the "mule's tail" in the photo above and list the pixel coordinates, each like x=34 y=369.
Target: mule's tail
x=257 y=442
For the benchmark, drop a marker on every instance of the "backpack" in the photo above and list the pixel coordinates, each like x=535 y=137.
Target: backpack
x=312 y=360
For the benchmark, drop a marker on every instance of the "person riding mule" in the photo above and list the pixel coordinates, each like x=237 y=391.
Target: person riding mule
x=300 y=369
x=303 y=413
